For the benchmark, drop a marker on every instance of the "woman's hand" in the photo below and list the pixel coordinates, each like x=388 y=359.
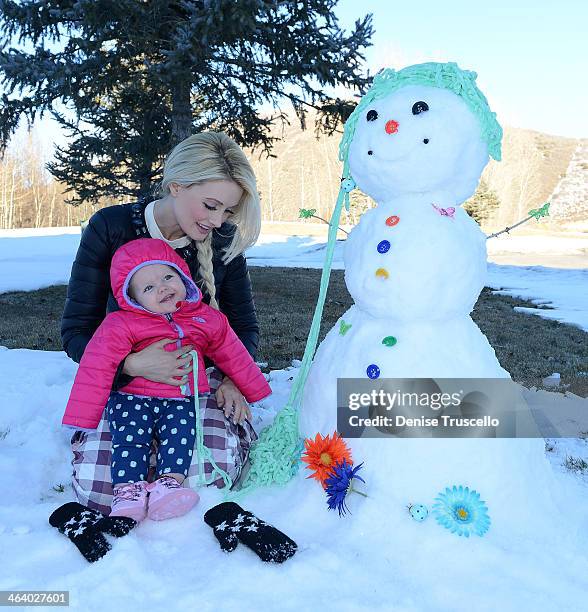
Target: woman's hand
x=229 y=398
x=156 y=364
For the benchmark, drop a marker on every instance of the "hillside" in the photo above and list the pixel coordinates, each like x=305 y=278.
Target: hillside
x=533 y=165
x=305 y=174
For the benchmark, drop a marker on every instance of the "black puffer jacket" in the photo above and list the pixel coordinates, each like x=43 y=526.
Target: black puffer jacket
x=89 y=295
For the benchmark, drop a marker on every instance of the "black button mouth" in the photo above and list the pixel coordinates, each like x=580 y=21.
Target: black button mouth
x=370 y=152
x=426 y=141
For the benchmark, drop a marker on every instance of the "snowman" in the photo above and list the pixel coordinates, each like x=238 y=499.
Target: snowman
x=415 y=265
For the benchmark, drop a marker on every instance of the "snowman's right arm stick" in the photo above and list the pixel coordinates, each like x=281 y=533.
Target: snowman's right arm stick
x=308 y=214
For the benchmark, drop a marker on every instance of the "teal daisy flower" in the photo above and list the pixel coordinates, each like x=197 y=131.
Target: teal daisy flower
x=461 y=511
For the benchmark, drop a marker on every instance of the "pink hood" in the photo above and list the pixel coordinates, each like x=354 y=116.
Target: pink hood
x=133 y=328
x=142 y=252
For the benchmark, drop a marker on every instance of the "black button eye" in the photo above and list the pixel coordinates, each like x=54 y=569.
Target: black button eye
x=372 y=115
x=419 y=107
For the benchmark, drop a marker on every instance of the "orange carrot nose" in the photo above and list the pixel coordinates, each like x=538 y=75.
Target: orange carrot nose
x=392 y=126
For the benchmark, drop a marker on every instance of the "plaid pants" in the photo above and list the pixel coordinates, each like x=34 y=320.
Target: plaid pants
x=228 y=443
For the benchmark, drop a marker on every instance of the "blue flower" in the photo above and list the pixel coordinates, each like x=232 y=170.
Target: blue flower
x=339 y=484
x=461 y=511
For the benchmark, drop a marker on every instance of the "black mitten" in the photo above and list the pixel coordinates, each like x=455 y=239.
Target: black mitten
x=85 y=528
x=231 y=523
x=77 y=523
x=117 y=526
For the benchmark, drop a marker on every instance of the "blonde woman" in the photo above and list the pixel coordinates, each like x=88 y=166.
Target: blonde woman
x=208 y=211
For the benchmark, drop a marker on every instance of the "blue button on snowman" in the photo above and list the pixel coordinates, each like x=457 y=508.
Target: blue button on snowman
x=383 y=246
x=373 y=371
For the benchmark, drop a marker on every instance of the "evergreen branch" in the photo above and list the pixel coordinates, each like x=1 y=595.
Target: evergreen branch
x=296 y=100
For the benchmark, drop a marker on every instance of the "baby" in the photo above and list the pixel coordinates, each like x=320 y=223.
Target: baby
x=158 y=299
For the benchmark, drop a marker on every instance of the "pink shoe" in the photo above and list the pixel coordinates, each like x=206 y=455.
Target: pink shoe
x=130 y=499
x=168 y=498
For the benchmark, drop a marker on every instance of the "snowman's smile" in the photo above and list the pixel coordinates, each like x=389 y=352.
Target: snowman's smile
x=400 y=155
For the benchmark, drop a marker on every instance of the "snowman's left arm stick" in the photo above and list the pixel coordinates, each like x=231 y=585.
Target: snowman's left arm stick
x=535 y=213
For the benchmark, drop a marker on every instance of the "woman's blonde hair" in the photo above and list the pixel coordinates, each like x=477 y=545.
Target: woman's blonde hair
x=214 y=156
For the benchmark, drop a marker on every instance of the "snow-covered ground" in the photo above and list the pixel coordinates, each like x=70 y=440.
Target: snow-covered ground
x=342 y=563
x=535 y=248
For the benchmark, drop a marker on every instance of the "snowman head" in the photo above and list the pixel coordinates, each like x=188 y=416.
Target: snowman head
x=425 y=128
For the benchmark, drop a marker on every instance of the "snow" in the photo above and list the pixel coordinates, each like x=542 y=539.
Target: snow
x=36 y=258
x=551 y=271
x=418 y=281
x=342 y=563
x=530 y=246
x=293 y=251
x=564 y=291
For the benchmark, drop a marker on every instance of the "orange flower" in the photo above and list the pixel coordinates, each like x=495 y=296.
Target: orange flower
x=322 y=454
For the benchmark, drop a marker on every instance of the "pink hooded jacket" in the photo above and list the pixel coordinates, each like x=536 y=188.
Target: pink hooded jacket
x=133 y=328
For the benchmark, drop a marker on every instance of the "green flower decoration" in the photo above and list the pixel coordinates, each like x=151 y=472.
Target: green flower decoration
x=540 y=212
x=306 y=214
x=344 y=327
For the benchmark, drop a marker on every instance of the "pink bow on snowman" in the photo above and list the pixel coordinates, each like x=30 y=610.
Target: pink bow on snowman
x=445 y=212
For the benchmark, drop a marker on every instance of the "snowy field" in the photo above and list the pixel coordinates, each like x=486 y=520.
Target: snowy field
x=342 y=563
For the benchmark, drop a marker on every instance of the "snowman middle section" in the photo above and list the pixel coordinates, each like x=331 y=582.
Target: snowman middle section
x=418 y=258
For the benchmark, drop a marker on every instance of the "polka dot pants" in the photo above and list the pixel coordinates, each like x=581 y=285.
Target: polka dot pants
x=134 y=421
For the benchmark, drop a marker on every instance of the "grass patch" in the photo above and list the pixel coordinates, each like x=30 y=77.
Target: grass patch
x=30 y=319
x=529 y=347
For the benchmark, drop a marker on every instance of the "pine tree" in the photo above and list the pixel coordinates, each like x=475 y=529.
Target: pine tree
x=482 y=204
x=128 y=79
